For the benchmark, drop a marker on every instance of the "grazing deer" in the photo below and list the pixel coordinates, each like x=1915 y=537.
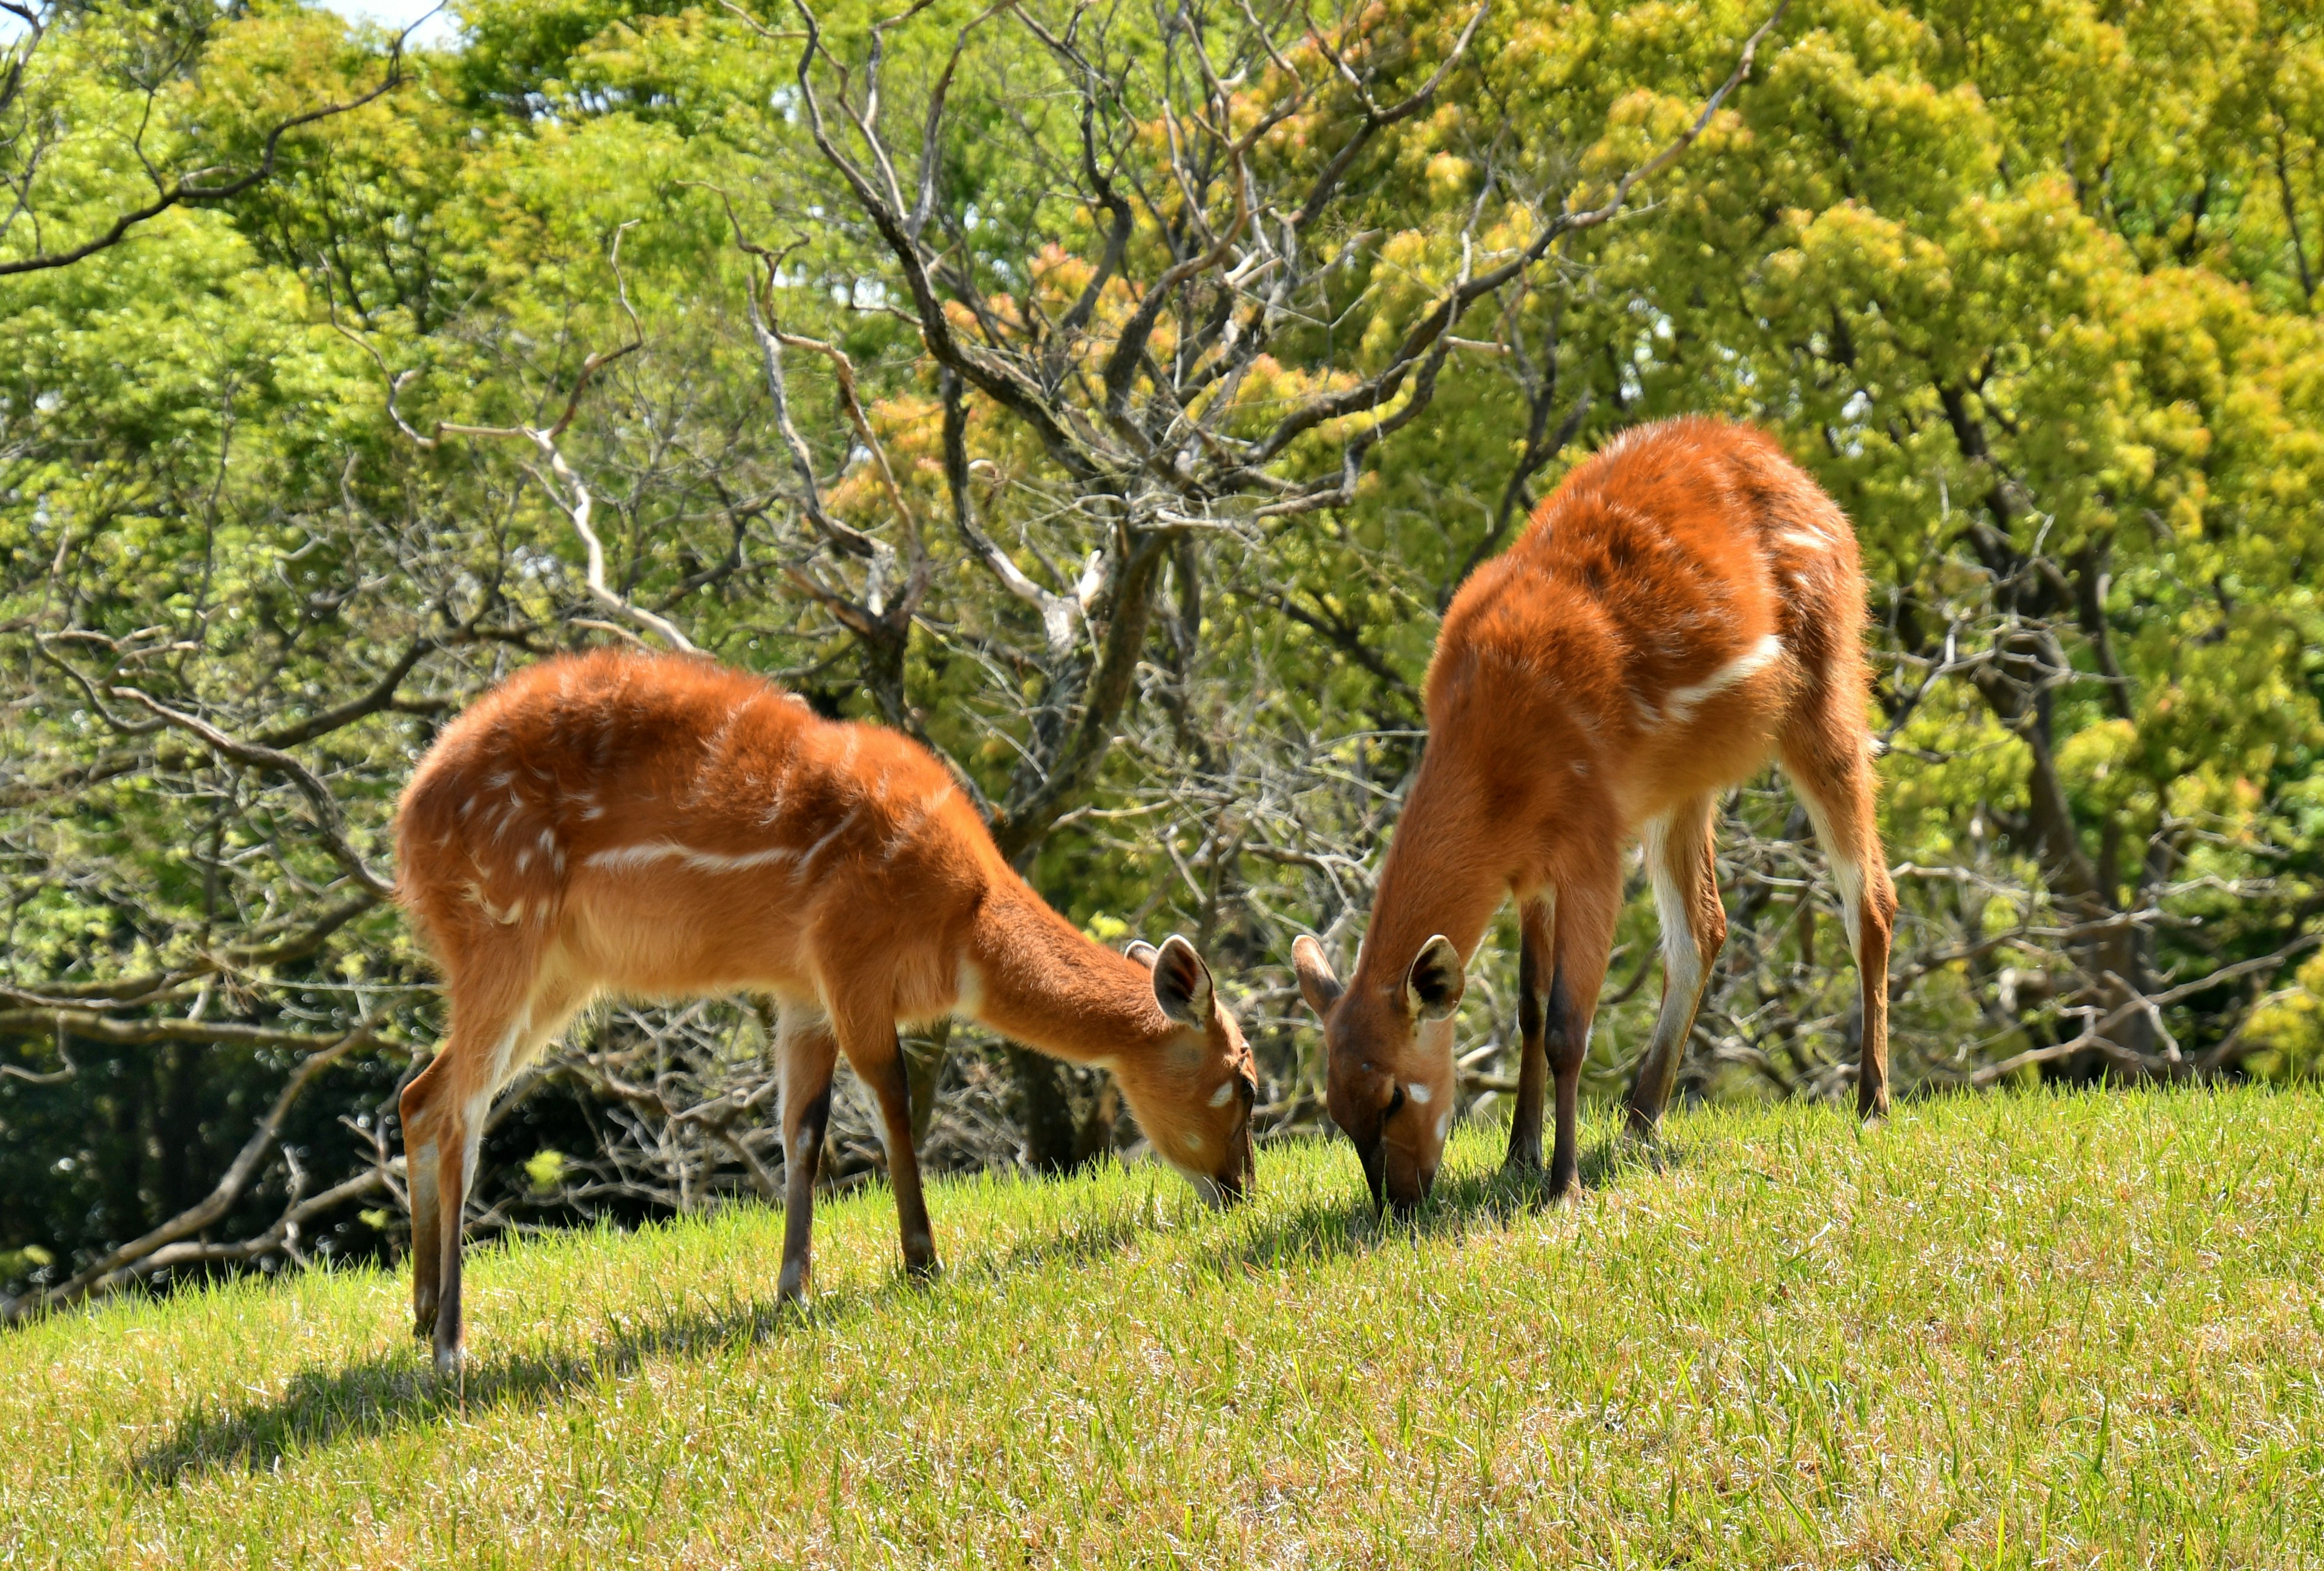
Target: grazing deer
x=662 y=826
x=1686 y=604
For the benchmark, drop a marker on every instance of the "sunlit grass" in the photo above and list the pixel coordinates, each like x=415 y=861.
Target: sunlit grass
x=2020 y=1331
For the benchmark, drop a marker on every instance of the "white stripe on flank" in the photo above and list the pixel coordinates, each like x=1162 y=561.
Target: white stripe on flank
x=621 y=856
x=837 y=829
x=1802 y=539
x=1681 y=704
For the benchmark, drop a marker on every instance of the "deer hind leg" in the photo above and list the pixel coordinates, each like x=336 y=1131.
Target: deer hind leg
x=1685 y=875
x=1830 y=766
x=878 y=1059
x=1582 y=942
x=1536 y=965
x=805 y=1052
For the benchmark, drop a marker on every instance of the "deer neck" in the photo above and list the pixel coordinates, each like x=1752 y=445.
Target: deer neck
x=1446 y=871
x=1033 y=977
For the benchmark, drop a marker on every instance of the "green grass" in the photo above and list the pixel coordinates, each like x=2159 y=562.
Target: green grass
x=2022 y=1331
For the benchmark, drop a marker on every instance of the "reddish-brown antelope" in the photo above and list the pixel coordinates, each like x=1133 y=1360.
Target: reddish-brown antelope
x=1687 y=605
x=661 y=828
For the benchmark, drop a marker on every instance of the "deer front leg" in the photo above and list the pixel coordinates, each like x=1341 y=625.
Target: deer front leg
x=1584 y=940
x=807 y=1054
x=1536 y=965
x=419 y=1156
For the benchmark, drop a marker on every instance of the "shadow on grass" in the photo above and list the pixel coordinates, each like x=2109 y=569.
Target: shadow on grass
x=394 y=1388
x=1328 y=1228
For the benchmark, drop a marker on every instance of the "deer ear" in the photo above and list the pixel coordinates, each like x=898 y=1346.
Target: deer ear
x=1139 y=950
x=1182 y=983
x=1433 y=987
x=1317 y=986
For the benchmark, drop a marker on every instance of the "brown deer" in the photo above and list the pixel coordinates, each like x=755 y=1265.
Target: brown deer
x=1687 y=605
x=664 y=827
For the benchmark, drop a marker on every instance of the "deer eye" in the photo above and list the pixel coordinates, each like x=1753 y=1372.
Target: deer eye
x=1394 y=1104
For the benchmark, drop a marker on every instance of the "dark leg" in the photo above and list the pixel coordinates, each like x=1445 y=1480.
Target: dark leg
x=420 y=1159
x=1536 y=962
x=453 y=1165
x=878 y=1058
x=808 y=1054
x=1584 y=940
x=439 y=1109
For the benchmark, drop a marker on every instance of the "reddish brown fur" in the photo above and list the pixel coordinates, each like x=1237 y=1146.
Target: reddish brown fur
x=1686 y=605
x=662 y=826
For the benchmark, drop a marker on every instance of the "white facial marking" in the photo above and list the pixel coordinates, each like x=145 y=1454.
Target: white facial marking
x=1219 y=1097
x=1191 y=1143
x=1444 y=1123
x=1418 y=1092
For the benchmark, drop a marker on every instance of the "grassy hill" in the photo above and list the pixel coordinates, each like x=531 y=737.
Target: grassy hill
x=2023 y=1331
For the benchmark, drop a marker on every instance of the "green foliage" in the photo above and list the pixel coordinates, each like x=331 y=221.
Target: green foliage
x=2030 y=289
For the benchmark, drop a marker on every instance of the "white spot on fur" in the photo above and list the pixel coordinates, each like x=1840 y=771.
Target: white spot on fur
x=1419 y=1093
x=523 y=859
x=1219 y=1097
x=1803 y=541
x=1444 y=1123
x=1191 y=1143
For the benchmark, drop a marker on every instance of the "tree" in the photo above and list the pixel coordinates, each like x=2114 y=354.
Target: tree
x=2031 y=293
